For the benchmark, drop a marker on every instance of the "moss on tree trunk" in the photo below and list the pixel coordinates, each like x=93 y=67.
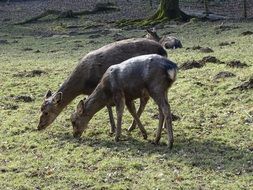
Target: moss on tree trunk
x=167 y=10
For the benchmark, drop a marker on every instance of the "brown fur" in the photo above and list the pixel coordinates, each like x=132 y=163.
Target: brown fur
x=88 y=73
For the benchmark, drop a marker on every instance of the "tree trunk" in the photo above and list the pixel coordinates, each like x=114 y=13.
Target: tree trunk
x=169 y=9
x=206 y=7
x=245 y=8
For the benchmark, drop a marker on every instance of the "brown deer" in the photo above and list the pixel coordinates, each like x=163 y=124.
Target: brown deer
x=146 y=75
x=88 y=73
x=168 y=42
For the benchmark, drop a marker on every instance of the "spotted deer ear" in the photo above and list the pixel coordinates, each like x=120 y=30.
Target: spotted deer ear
x=80 y=107
x=57 y=97
x=148 y=30
x=48 y=94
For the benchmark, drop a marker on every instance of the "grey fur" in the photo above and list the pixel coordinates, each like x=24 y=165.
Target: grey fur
x=168 y=42
x=142 y=76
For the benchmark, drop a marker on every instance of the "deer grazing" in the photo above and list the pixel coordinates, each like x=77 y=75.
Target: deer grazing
x=168 y=42
x=141 y=76
x=88 y=73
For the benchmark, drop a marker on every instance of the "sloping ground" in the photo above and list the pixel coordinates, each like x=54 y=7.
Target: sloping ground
x=21 y=10
x=222 y=10
x=213 y=137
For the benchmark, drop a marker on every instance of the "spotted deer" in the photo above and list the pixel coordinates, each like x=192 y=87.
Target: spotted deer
x=88 y=73
x=168 y=42
x=141 y=76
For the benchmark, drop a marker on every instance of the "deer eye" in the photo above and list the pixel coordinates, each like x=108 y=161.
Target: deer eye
x=46 y=113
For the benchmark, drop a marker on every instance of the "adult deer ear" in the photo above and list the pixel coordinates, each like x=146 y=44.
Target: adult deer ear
x=80 y=107
x=57 y=98
x=48 y=94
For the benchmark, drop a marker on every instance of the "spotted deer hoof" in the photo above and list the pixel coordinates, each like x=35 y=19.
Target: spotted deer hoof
x=112 y=132
x=145 y=136
x=170 y=145
x=116 y=139
x=131 y=128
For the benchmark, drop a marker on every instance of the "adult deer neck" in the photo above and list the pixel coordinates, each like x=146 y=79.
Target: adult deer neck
x=155 y=37
x=70 y=90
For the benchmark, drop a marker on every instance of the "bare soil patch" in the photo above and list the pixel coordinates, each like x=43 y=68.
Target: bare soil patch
x=201 y=49
x=173 y=116
x=199 y=84
x=236 y=64
x=211 y=59
x=224 y=27
x=27 y=49
x=245 y=85
x=191 y=64
x=9 y=106
x=2 y=42
x=206 y=50
x=247 y=33
x=33 y=73
x=194 y=48
x=118 y=37
x=37 y=51
x=23 y=98
x=223 y=74
x=94 y=36
x=226 y=43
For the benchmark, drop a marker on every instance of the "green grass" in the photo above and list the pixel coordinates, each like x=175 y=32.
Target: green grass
x=213 y=138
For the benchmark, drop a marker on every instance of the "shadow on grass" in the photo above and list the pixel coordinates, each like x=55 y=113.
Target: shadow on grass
x=207 y=154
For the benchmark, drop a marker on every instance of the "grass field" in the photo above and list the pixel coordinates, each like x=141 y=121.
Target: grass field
x=213 y=138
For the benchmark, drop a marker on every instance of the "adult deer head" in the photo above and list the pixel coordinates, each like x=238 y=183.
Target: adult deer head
x=50 y=109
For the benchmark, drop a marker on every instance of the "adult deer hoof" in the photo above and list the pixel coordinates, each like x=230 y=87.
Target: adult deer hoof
x=155 y=142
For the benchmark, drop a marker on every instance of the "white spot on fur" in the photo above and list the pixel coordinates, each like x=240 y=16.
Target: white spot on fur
x=172 y=74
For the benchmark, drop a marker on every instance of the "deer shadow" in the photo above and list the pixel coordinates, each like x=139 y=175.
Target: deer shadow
x=207 y=154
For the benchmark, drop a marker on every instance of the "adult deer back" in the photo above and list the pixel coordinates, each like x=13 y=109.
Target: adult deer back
x=89 y=71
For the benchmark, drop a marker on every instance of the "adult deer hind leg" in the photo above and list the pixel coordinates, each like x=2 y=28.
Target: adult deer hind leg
x=119 y=101
x=131 y=108
x=143 y=103
x=112 y=122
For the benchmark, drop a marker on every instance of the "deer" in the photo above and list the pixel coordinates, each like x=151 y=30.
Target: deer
x=168 y=42
x=87 y=74
x=142 y=76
